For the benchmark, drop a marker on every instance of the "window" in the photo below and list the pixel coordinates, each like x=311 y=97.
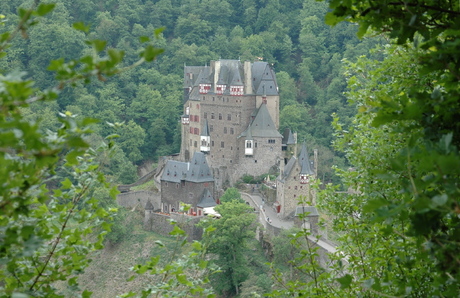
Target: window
x=212 y=143
x=220 y=116
x=191 y=129
x=197 y=118
x=211 y=128
x=225 y=130
x=248 y=145
x=222 y=145
x=196 y=131
x=229 y=117
x=197 y=106
x=195 y=144
x=232 y=131
x=212 y=115
x=205 y=115
x=190 y=143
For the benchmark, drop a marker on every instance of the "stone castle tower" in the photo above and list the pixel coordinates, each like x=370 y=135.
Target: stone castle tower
x=231 y=113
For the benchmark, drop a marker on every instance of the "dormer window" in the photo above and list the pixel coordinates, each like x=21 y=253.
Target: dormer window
x=204 y=88
x=236 y=90
x=304 y=179
x=220 y=89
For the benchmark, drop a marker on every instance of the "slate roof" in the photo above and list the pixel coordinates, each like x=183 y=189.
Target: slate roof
x=304 y=209
x=262 y=125
x=231 y=73
x=207 y=200
x=288 y=137
x=197 y=170
x=264 y=82
x=174 y=171
x=287 y=168
x=304 y=162
x=205 y=129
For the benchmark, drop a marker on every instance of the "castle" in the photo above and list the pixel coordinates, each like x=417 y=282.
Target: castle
x=230 y=128
x=231 y=114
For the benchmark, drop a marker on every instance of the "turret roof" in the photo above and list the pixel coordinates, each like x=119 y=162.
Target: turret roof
x=288 y=137
x=262 y=125
x=304 y=162
x=207 y=200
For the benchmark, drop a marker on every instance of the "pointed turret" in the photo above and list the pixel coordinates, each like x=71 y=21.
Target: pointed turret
x=205 y=138
x=305 y=167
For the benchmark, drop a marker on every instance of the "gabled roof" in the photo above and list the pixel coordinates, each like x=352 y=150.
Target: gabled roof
x=262 y=125
x=190 y=75
x=205 y=130
x=203 y=77
x=264 y=82
x=207 y=200
x=174 y=171
x=197 y=170
x=304 y=162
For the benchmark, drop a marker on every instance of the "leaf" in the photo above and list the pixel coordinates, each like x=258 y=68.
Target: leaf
x=66 y=184
x=45 y=8
x=143 y=39
x=150 y=53
x=81 y=27
x=440 y=200
x=345 y=281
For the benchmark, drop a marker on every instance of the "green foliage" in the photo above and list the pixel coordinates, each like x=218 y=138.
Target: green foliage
x=231 y=194
x=48 y=230
x=228 y=243
x=182 y=276
x=416 y=99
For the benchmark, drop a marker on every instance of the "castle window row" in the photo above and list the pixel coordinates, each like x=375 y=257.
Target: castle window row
x=194 y=130
x=232 y=130
x=194 y=118
x=271 y=141
x=220 y=116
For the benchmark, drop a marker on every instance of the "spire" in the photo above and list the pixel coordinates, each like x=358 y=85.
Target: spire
x=304 y=161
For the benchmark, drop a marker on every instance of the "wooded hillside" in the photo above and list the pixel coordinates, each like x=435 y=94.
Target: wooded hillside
x=291 y=35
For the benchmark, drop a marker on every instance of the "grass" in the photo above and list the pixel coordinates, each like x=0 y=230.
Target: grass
x=149 y=185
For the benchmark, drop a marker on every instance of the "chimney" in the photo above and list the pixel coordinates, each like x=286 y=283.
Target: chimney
x=247 y=77
x=315 y=152
x=216 y=74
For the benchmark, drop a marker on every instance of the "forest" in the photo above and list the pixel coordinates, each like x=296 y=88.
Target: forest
x=305 y=53
x=90 y=90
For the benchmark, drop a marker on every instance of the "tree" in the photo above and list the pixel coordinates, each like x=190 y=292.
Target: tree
x=47 y=233
x=231 y=194
x=228 y=243
x=425 y=169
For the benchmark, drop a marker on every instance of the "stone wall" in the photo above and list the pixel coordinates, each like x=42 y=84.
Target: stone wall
x=161 y=224
x=138 y=198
